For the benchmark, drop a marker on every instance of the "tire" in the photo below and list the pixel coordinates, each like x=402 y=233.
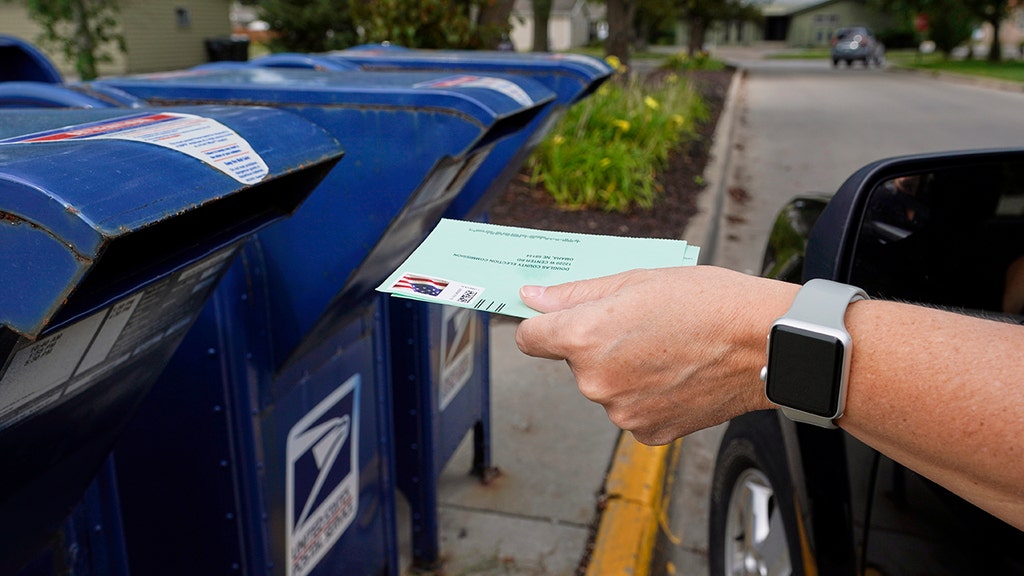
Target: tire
x=835 y=62
x=752 y=488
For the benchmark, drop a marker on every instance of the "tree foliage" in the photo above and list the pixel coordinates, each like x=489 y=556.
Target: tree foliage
x=993 y=12
x=654 y=19
x=419 y=24
x=86 y=32
x=309 y=25
x=950 y=24
x=321 y=25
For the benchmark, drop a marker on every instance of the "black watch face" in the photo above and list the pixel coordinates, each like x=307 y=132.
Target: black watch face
x=804 y=370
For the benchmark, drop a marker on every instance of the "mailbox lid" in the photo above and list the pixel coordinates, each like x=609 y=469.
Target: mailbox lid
x=31 y=94
x=75 y=185
x=481 y=98
x=413 y=139
x=571 y=76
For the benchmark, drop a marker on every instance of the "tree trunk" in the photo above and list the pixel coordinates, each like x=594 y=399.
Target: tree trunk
x=541 y=16
x=492 y=20
x=696 y=40
x=995 y=51
x=86 y=44
x=620 y=27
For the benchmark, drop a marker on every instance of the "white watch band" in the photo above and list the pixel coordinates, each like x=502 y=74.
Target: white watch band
x=822 y=303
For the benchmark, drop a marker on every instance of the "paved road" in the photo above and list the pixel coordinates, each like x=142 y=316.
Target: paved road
x=802 y=126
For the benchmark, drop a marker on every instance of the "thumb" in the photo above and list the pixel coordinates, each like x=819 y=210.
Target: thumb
x=564 y=296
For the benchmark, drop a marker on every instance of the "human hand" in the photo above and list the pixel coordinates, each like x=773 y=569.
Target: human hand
x=666 y=352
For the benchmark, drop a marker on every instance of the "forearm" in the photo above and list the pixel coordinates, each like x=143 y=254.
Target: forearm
x=936 y=391
x=942 y=394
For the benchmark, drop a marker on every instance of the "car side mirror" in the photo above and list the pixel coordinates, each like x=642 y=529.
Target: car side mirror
x=940 y=229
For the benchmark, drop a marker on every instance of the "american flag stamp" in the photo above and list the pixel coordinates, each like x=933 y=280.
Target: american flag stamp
x=431 y=287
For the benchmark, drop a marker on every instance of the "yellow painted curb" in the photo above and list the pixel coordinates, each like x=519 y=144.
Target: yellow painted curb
x=629 y=524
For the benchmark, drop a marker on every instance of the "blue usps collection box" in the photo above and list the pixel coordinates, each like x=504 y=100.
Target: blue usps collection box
x=303 y=485
x=117 y=227
x=440 y=356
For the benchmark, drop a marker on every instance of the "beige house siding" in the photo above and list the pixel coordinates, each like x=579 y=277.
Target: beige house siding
x=158 y=39
x=732 y=33
x=153 y=37
x=814 y=25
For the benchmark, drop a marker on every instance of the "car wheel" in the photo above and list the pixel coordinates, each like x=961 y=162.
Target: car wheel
x=835 y=62
x=752 y=521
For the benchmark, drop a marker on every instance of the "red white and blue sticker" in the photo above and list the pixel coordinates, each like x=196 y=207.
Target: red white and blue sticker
x=322 y=478
x=202 y=138
x=500 y=85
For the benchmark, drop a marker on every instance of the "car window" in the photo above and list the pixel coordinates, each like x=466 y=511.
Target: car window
x=951 y=238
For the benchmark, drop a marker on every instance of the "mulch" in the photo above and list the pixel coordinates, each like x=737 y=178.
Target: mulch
x=531 y=207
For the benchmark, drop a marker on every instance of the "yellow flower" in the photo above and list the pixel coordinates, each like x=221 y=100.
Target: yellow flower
x=677 y=119
x=605 y=162
x=651 y=103
x=613 y=61
x=621 y=125
x=559 y=139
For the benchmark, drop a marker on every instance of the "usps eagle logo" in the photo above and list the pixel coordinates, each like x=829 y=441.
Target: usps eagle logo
x=322 y=477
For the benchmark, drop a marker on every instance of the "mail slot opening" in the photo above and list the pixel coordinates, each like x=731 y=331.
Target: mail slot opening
x=166 y=244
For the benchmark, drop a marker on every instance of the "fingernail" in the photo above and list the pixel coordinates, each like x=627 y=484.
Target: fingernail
x=531 y=291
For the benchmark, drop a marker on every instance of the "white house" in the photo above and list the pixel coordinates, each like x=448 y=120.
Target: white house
x=571 y=25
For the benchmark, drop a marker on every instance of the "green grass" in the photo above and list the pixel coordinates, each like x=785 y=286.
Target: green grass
x=1011 y=70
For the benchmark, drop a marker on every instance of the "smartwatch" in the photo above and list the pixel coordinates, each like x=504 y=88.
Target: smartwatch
x=809 y=353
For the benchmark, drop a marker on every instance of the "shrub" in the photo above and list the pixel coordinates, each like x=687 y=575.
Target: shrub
x=607 y=150
x=683 y=62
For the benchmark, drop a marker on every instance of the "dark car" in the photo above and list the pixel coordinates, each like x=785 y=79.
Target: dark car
x=790 y=498
x=857 y=43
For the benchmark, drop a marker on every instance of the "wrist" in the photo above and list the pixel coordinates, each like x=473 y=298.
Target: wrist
x=809 y=352
x=771 y=299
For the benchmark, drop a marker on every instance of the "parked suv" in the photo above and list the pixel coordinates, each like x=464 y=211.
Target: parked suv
x=857 y=43
x=788 y=498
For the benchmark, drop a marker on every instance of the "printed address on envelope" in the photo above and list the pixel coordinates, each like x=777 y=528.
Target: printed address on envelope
x=482 y=266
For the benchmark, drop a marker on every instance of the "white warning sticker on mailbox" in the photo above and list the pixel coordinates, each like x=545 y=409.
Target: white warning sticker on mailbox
x=501 y=85
x=202 y=138
x=322 y=478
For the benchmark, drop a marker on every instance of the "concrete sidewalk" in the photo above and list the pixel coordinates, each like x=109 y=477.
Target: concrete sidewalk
x=575 y=495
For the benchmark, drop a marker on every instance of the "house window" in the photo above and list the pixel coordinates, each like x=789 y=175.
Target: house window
x=183 y=17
